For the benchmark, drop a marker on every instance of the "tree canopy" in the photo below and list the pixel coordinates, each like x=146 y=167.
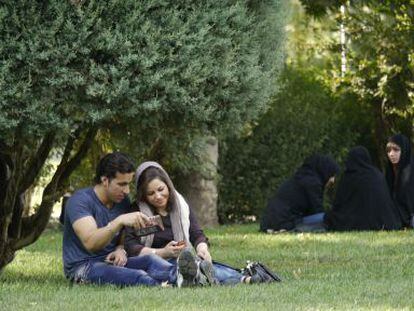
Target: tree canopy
x=379 y=55
x=71 y=69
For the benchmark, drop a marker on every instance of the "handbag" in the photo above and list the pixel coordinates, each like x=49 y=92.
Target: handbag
x=259 y=268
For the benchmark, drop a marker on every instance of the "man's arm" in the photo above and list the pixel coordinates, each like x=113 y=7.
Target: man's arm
x=94 y=239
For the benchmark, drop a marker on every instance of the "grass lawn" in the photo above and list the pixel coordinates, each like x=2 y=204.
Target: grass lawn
x=334 y=271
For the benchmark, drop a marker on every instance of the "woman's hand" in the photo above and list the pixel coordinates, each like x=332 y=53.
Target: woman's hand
x=172 y=250
x=202 y=252
x=117 y=258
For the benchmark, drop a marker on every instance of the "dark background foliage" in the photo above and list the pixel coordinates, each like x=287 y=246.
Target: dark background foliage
x=304 y=118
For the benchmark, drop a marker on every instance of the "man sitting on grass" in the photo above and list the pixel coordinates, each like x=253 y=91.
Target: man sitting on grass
x=93 y=250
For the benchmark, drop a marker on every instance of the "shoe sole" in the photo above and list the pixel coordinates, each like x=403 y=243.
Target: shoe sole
x=188 y=267
x=207 y=269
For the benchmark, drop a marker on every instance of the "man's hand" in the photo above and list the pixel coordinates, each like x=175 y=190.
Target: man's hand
x=202 y=252
x=117 y=257
x=135 y=219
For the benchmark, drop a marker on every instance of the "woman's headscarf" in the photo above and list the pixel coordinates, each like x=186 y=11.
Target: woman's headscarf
x=404 y=143
x=321 y=166
x=178 y=206
x=401 y=184
x=396 y=181
x=362 y=201
x=358 y=158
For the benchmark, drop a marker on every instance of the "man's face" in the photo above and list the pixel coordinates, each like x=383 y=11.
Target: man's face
x=117 y=188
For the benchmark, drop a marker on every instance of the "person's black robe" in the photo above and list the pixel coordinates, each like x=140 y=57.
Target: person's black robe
x=362 y=200
x=299 y=196
x=401 y=186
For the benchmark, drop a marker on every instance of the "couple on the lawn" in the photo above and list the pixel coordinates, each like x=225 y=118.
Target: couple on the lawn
x=101 y=244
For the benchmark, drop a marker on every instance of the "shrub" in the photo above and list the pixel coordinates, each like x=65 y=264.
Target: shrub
x=304 y=117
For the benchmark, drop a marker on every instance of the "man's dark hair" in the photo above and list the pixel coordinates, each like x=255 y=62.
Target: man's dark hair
x=112 y=163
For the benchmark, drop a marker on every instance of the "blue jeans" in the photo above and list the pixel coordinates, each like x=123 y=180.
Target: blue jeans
x=226 y=275
x=313 y=219
x=311 y=223
x=149 y=270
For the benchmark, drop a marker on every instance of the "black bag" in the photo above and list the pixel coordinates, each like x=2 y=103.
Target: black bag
x=253 y=268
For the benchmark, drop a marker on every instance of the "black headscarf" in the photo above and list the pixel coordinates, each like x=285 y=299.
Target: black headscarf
x=404 y=143
x=320 y=166
x=362 y=201
x=401 y=184
x=358 y=159
x=301 y=195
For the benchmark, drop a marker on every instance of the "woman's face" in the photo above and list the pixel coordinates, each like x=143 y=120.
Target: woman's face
x=157 y=194
x=393 y=152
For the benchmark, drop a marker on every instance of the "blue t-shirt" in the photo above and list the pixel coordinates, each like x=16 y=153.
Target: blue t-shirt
x=81 y=204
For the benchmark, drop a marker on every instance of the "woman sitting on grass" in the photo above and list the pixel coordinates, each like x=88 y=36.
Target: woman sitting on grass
x=297 y=205
x=362 y=200
x=156 y=195
x=400 y=177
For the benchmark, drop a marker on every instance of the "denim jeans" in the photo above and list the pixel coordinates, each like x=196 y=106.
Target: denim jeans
x=313 y=219
x=149 y=270
x=226 y=275
x=311 y=223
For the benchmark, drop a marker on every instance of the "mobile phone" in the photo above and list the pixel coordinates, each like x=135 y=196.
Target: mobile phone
x=180 y=243
x=155 y=225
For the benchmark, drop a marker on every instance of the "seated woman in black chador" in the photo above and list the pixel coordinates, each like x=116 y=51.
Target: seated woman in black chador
x=362 y=200
x=298 y=201
x=400 y=177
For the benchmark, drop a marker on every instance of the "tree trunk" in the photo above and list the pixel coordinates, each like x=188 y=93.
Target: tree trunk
x=6 y=165
x=6 y=255
x=17 y=231
x=200 y=188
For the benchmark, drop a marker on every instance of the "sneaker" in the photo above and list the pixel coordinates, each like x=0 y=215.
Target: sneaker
x=188 y=269
x=207 y=269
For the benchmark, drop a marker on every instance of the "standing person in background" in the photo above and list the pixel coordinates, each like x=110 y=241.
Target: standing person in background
x=362 y=200
x=400 y=176
x=298 y=203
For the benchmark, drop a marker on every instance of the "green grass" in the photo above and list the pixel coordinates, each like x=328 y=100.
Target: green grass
x=334 y=271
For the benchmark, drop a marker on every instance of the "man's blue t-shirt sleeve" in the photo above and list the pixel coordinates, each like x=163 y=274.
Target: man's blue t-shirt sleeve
x=77 y=207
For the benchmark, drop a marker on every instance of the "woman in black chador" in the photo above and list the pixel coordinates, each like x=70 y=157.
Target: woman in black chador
x=400 y=176
x=362 y=200
x=298 y=201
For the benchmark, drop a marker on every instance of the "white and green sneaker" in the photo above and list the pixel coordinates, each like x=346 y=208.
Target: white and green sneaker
x=207 y=270
x=193 y=271
x=188 y=269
